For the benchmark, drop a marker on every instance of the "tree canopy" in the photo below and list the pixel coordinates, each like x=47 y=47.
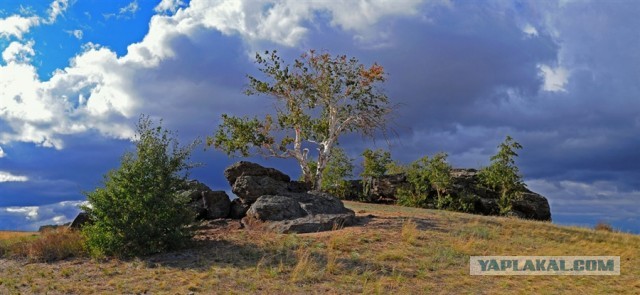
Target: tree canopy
x=319 y=97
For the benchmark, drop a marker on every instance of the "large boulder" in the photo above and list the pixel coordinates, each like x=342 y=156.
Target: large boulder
x=217 y=204
x=249 y=187
x=206 y=204
x=81 y=220
x=252 y=169
x=530 y=205
x=298 y=213
x=238 y=209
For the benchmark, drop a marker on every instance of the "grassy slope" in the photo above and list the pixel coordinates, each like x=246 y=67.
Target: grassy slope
x=386 y=254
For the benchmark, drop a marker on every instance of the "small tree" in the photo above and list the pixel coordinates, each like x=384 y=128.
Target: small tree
x=318 y=98
x=375 y=163
x=416 y=192
x=339 y=168
x=503 y=174
x=138 y=211
x=374 y=166
x=438 y=171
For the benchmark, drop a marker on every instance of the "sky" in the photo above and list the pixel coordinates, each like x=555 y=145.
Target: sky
x=561 y=77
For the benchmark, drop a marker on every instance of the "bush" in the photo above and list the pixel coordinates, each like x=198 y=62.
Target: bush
x=335 y=174
x=603 y=226
x=374 y=166
x=139 y=210
x=51 y=245
x=503 y=174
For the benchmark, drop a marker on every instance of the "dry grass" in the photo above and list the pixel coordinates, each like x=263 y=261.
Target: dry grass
x=51 y=245
x=398 y=251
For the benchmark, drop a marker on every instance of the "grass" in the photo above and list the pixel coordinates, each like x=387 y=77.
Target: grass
x=397 y=251
x=51 y=245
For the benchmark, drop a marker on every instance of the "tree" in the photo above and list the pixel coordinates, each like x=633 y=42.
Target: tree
x=138 y=211
x=375 y=163
x=374 y=166
x=339 y=168
x=438 y=171
x=318 y=98
x=503 y=174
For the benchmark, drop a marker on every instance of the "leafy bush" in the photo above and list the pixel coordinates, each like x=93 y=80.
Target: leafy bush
x=138 y=211
x=416 y=193
x=51 y=245
x=503 y=174
x=374 y=166
x=334 y=177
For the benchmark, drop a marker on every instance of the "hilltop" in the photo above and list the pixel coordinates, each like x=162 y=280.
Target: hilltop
x=392 y=249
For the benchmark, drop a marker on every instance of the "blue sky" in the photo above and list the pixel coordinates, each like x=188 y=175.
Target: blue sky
x=561 y=77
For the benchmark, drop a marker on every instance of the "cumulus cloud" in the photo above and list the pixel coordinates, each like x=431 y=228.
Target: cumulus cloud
x=8 y=177
x=169 y=5
x=97 y=91
x=17 y=26
x=32 y=217
x=554 y=78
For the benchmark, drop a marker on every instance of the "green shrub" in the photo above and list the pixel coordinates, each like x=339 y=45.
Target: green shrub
x=138 y=211
x=334 y=177
x=503 y=174
x=374 y=166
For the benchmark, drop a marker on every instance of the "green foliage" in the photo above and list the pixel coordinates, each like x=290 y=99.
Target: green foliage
x=138 y=211
x=318 y=98
x=339 y=168
x=375 y=163
x=416 y=193
x=503 y=174
x=426 y=175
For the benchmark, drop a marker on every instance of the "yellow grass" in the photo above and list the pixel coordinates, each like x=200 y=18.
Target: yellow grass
x=397 y=251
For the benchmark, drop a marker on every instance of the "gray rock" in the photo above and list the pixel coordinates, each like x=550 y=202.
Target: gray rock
x=217 y=204
x=298 y=213
x=238 y=209
x=309 y=224
x=249 y=188
x=275 y=208
x=530 y=205
x=81 y=220
x=252 y=169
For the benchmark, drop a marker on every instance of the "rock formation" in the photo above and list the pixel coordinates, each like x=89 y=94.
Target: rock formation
x=277 y=204
x=465 y=182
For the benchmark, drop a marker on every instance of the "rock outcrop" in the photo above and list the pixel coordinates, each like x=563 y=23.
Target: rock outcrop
x=277 y=204
x=464 y=183
x=81 y=220
x=207 y=204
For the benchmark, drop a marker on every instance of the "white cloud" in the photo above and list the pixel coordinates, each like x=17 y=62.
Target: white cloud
x=57 y=8
x=169 y=5
x=554 y=78
x=102 y=91
x=78 y=34
x=8 y=177
x=530 y=30
x=2 y=153
x=131 y=8
x=18 y=52
x=32 y=217
x=17 y=26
